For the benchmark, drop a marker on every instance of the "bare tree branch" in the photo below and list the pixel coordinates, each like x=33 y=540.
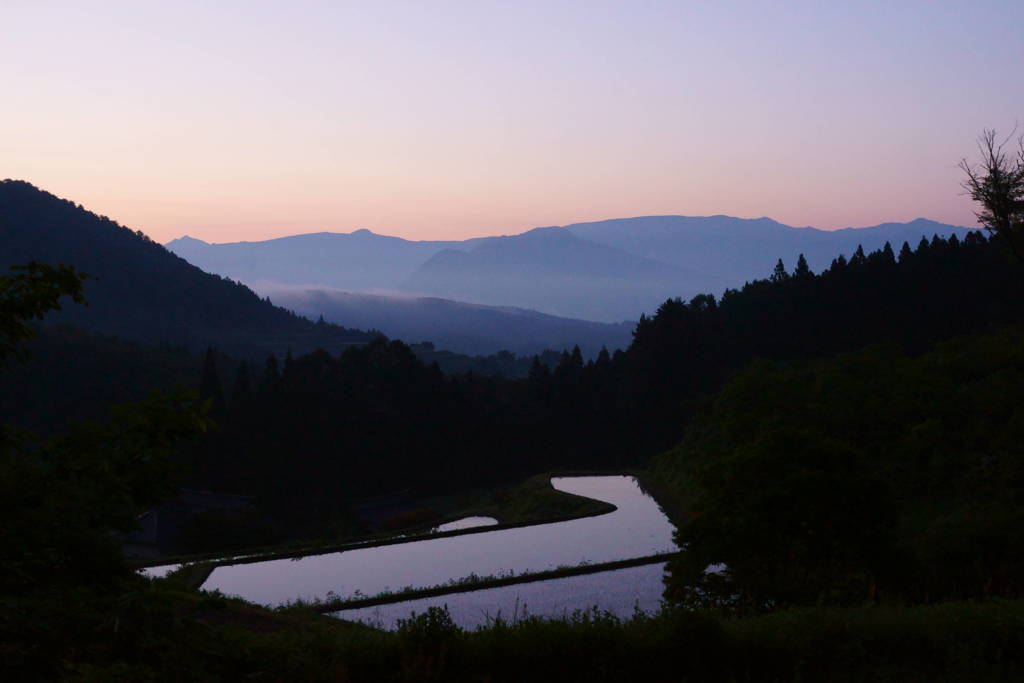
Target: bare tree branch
x=998 y=186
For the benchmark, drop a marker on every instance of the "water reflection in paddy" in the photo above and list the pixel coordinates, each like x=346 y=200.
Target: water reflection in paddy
x=620 y=592
x=160 y=571
x=637 y=528
x=465 y=523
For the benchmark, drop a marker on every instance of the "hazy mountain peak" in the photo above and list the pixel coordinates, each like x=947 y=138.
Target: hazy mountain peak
x=186 y=240
x=550 y=236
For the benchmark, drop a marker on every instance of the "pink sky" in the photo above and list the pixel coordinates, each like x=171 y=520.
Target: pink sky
x=448 y=120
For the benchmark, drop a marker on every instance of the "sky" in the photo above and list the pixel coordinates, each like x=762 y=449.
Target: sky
x=445 y=120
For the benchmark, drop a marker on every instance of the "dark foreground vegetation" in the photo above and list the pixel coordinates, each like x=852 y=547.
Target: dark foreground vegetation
x=155 y=633
x=882 y=474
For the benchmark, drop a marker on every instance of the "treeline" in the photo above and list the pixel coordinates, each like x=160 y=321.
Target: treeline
x=923 y=295
x=307 y=434
x=311 y=432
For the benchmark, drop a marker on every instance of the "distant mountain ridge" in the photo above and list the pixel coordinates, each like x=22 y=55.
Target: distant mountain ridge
x=552 y=270
x=140 y=291
x=456 y=326
x=358 y=261
x=607 y=271
x=741 y=249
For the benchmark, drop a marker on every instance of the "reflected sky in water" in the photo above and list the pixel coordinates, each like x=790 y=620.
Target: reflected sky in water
x=620 y=592
x=465 y=523
x=637 y=528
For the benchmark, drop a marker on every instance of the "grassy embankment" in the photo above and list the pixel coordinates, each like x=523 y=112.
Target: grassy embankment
x=475 y=583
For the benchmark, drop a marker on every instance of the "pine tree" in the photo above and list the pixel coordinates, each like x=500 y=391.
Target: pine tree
x=209 y=386
x=906 y=254
x=271 y=374
x=289 y=363
x=539 y=373
x=242 y=389
x=888 y=257
x=577 y=357
x=779 y=274
x=802 y=271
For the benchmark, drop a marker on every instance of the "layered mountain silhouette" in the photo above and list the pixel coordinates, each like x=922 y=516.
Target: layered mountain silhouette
x=742 y=249
x=140 y=291
x=552 y=270
x=456 y=326
x=607 y=271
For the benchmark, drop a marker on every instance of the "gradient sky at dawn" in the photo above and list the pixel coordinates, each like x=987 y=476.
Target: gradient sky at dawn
x=250 y=120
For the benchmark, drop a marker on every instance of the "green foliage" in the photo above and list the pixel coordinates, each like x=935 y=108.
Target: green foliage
x=872 y=473
x=30 y=292
x=153 y=633
x=796 y=518
x=62 y=499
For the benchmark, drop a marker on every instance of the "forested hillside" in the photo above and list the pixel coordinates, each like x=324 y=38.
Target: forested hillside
x=140 y=291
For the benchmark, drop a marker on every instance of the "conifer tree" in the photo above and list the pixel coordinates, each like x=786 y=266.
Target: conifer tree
x=577 y=357
x=888 y=257
x=242 y=389
x=779 y=274
x=906 y=253
x=210 y=386
x=271 y=374
x=802 y=271
x=538 y=371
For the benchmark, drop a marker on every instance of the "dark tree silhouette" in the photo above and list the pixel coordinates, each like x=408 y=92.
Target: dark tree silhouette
x=998 y=186
x=802 y=271
x=27 y=294
x=779 y=274
x=242 y=388
x=209 y=385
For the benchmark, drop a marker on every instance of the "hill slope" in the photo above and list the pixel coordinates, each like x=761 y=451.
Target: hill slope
x=139 y=290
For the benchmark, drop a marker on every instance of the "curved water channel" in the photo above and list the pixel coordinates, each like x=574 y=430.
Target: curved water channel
x=637 y=528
